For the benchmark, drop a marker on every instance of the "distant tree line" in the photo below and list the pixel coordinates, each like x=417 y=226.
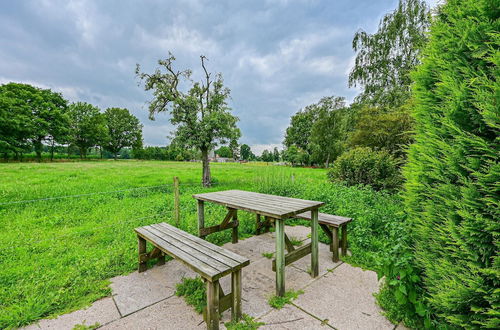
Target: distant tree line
x=38 y=120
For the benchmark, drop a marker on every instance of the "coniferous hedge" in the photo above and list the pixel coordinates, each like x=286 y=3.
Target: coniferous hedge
x=452 y=189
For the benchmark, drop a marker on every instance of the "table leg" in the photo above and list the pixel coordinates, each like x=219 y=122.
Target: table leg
x=201 y=216
x=280 y=257
x=234 y=236
x=314 y=243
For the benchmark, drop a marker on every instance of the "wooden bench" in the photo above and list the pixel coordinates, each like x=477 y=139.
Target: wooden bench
x=209 y=260
x=330 y=225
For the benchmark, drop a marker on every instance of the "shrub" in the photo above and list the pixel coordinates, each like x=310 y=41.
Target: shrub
x=194 y=292
x=364 y=166
x=453 y=172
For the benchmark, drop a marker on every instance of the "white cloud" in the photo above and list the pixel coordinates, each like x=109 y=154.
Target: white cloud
x=257 y=149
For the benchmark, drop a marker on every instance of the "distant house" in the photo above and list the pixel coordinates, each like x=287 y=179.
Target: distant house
x=223 y=160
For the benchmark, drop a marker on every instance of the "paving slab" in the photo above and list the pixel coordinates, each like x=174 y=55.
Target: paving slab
x=325 y=260
x=102 y=312
x=138 y=290
x=171 y=313
x=253 y=247
x=345 y=298
x=290 y=317
x=258 y=285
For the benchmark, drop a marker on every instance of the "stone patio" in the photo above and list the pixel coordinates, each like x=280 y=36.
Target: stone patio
x=341 y=297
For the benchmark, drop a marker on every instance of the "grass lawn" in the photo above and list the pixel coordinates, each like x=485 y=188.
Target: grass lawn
x=58 y=254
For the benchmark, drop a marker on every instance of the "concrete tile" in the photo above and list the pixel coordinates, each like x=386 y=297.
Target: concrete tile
x=138 y=290
x=259 y=284
x=345 y=298
x=253 y=247
x=290 y=317
x=172 y=313
x=325 y=260
x=101 y=311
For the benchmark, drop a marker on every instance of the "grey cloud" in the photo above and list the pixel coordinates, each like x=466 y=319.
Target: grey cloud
x=275 y=56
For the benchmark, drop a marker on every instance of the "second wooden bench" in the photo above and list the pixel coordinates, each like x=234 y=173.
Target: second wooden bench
x=330 y=225
x=209 y=260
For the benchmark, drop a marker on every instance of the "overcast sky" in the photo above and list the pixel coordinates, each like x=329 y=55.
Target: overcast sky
x=275 y=56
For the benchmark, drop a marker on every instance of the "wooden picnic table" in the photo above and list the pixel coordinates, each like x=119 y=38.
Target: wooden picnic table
x=273 y=208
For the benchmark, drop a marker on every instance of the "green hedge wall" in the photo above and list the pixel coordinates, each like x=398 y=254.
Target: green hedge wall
x=453 y=174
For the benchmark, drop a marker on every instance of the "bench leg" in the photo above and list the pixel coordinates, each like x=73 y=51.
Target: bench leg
x=314 y=243
x=142 y=250
x=236 y=291
x=344 y=240
x=212 y=305
x=161 y=260
x=335 y=243
x=280 y=257
x=257 y=224
x=234 y=236
x=201 y=217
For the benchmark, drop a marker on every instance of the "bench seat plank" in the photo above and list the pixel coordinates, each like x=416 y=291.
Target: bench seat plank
x=327 y=219
x=203 y=252
x=236 y=257
x=209 y=260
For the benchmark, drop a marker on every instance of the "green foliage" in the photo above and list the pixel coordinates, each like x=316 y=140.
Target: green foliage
x=194 y=292
x=87 y=127
x=247 y=323
x=81 y=242
x=268 y=255
x=30 y=116
x=224 y=151
x=122 y=130
x=86 y=327
x=296 y=241
x=278 y=302
x=201 y=114
x=381 y=129
x=246 y=152
x=328 y=132
x=451 y=193
x=385 y=59
x=364 y=166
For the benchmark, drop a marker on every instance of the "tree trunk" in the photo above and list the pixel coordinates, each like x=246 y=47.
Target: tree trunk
x=52 y=151
x=100 y=150
x=327 y=161
x=38 y=149
x=206 y=168
x=115 y=155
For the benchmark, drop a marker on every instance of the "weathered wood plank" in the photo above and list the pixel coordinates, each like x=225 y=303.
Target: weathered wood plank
x=288 y=244
x=196 y=251
x=327 y=219
x=295 y=255
x=280 y=257
x=234 y=234
x=335 y=243
x=142 y=250
x=219 y=250
x=344 y=240
x=201 y=216
x=216 y=228
x=213 y=305
x=314 y=244
x=236 y=289
x=203 y=269
x=269 y=205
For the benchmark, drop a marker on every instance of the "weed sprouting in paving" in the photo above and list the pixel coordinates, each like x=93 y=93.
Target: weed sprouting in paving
x=278 y=302
x=194 y=292
x=246 y=323
x=268 y=255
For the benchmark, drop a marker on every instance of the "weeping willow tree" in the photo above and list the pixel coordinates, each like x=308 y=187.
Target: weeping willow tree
x=452 y=190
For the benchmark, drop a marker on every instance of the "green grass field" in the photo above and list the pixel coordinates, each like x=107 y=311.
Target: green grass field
x=67 y=228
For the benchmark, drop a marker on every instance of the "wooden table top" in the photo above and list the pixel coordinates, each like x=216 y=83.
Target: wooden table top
x=277 y=207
